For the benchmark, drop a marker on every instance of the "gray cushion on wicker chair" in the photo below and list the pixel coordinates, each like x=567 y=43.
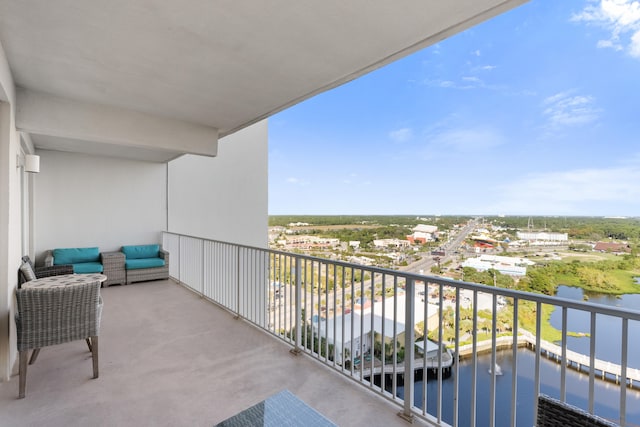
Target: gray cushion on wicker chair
x=56 y=270
x=27 y=272
x=555 y=413
x=50 y=316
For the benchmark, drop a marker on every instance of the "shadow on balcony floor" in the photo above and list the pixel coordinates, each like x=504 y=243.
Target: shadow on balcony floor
x=168 y=357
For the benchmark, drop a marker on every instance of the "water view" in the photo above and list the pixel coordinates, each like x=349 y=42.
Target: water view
x=607 y=394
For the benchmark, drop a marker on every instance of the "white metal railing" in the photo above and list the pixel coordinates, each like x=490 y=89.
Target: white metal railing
x=354 y=319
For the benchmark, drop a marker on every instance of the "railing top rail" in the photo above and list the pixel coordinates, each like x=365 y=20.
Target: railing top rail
x=509 y=293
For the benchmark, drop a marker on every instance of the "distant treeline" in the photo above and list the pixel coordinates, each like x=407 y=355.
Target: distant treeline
x=443 y=222
x=365 y=236
x=587 y=228
x=584 y=228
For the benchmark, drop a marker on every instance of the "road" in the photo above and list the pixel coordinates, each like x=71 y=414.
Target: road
x=424 y=265
x=282 y=313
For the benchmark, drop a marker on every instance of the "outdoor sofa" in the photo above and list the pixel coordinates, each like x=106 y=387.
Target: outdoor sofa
x=145 y=262
x=87 y=261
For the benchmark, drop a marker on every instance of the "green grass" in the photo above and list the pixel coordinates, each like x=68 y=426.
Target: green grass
x=619 y=282
x=587 y=256
x=527 y=320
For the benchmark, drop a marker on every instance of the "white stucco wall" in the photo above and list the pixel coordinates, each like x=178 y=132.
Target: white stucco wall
x=10 y=217
x=10 y=236
x=223 y=198
x=83 y=200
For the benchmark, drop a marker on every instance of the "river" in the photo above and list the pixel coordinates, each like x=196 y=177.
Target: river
x=607 y=394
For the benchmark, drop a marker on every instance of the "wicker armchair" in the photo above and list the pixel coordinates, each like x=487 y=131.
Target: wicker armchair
x=50 y=316
x=40 y=272
x=555 y=413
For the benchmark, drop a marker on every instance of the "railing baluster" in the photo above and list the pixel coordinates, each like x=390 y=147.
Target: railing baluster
x=372 y=332
x=394 y=381
x=202 y=268
x=456 y=364
x=335 y=314
x=383 y=336
x=474 y=361
x=326 y=312
x=343 y=317
x=409 y=342
x=592 y=361
x=238 y=283
x=425 y=316
x=361 y=353
x=563 y=366
x=313 y=333
x=493 y=368
x=536 y=387
x=440 y=344
x=303 y=318
x=352 y=299
x=514 y=363
x=297 y=324
x=623 y=371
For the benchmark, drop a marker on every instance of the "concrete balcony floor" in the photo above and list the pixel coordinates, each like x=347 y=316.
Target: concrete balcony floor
x=171 y=358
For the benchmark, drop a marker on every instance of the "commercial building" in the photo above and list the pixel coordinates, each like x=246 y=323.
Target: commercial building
x=542 y=236
x=423 y=233
x=505 y=265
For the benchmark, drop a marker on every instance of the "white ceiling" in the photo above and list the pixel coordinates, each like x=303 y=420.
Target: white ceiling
x=224 y=64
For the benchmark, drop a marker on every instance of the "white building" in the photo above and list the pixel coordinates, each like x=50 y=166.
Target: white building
x=309 y=242
x=505 y=265
x=356 y=327
x=423 y=233
x=542 y=236
x=391 y=243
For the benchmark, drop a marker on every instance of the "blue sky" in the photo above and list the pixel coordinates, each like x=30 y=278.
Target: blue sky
x=535 y=112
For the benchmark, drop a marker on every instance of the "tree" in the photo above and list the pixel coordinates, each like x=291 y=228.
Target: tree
x=537 y=280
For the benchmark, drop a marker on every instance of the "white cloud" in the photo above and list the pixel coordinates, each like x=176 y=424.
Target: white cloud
x=483 y=68
x=568 y=192
x=609 y=44
x=297 y=181
x=401 y=135
x=620 y=18
x=353 y=179
x=634 y=49
x=476 y=52
x=467 y=140
x=567 y=109
x=445 y=83
x=465 y=83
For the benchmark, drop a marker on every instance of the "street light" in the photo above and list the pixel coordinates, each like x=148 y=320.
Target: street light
x=494 y=278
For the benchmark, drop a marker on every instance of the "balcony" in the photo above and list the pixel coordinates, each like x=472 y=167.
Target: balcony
x=169 y=357
x=199 y=353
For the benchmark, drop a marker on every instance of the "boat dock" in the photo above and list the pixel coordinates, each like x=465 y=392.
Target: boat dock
x=605 y=370
x=418 y=365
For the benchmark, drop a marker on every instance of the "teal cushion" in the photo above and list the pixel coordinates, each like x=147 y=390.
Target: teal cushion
x=141 y=251
x=87 y=267
x=75 y=255
x=134 y=264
